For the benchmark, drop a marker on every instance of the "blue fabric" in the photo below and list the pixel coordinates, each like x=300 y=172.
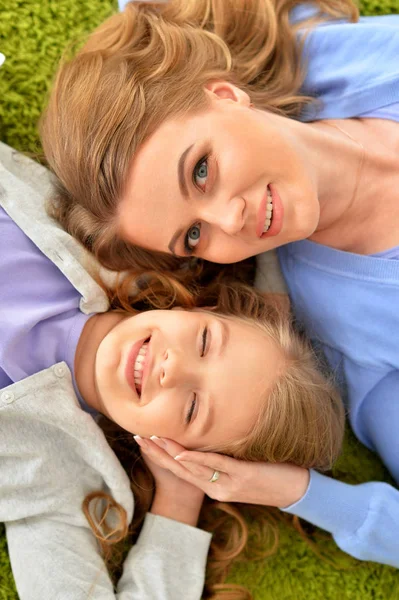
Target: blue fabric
x=349 y=303
x=336 y=294
x=391 y=253
x=348 y=88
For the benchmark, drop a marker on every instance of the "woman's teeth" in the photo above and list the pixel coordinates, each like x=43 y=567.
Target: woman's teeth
x=139 y=366
x=269 y=212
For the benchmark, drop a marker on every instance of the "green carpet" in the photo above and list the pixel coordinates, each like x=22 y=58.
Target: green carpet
x=32 y=36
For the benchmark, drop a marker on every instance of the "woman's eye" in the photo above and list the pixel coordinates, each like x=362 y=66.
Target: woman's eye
x=192 y=237
x=204 y=339
x=200 y=174
x=189 y=415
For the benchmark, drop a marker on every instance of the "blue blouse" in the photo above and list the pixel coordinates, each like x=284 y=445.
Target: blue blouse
x=349 y=303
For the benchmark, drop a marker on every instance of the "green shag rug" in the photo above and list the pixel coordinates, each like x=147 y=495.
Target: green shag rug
x=33 y=34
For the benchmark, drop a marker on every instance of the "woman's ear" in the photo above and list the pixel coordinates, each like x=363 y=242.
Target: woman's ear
x=223 y=90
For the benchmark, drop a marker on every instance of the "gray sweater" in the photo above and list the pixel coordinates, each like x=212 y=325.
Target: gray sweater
x=52 y=454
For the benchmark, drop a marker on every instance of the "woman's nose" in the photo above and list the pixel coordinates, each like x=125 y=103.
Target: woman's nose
x=229 y=216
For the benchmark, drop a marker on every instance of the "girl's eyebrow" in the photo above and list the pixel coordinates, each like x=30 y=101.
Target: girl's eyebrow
x=208 y=420
x=225 y=336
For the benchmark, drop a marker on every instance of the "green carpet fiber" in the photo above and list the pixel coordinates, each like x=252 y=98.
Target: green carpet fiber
x=33 y=34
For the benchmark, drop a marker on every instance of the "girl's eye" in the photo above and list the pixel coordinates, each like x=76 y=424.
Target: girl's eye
x=204 y=340
x=192 y=237
x=200 y=174
x=189 y=415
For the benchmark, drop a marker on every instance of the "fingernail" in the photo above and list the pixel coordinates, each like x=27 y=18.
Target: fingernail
x=178 y=457
x=140 y=441
x=158 y=441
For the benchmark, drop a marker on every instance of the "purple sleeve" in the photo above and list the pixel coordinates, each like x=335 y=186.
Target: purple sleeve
x=4 y=380
x=40 y=320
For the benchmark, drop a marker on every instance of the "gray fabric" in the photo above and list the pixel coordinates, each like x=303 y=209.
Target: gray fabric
x=269 y=278
x=25 y=188
x=52 y=454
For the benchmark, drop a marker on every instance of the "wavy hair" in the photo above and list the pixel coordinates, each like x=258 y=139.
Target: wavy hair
x=301 y=422
x=147 y=64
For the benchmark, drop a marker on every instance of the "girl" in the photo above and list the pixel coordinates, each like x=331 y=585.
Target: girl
x=214 y=97
x=64 y=359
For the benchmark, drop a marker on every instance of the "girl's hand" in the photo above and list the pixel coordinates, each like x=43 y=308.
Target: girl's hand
x=239 y=481
x=167 y=482
x=174 y=497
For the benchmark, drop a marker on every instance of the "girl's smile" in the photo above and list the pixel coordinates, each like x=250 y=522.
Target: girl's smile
x=177 y=373
x=138 y=365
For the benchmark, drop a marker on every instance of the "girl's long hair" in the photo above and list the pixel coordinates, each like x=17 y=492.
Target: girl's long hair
x=301 y=422
x=147 y=64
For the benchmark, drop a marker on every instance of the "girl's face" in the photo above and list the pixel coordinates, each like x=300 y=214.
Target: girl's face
x=223 y=185
x=192 y=376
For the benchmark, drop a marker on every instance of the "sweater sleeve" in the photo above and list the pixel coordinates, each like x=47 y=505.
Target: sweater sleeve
x=52 y=454
x=363 y=519
x=378 y=421
x=54 y=557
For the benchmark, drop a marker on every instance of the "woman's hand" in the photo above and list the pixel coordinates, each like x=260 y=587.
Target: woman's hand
x=174 y=497
x=239 y=481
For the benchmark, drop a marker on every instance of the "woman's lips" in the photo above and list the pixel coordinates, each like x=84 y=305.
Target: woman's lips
x=131 y=361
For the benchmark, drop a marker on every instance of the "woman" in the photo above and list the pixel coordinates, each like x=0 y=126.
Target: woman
x=64 y=359
x=208 y=95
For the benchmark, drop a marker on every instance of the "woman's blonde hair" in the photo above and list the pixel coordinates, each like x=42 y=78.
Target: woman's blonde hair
x=142 y=66
x=301 y=421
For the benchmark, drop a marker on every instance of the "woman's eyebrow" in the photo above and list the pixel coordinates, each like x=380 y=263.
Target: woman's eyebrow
x=184 y=191
x=172 y=243
x=180 y=172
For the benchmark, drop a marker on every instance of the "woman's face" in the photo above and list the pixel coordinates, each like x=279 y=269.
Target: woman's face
x=225 y=184
x=192 y=376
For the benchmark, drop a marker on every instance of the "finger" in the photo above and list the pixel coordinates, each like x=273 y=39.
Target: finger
x=171 y=447
x=216 y=462
x=174 y=449
x=164 y=460
x=199 y=471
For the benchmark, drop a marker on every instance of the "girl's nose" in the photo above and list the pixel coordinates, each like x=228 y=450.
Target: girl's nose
x=175 y=369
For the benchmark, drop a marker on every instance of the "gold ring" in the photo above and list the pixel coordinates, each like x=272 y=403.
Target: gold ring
x=214 y=477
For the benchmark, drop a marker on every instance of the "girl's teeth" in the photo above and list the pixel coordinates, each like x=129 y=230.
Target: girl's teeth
x=139 y=364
